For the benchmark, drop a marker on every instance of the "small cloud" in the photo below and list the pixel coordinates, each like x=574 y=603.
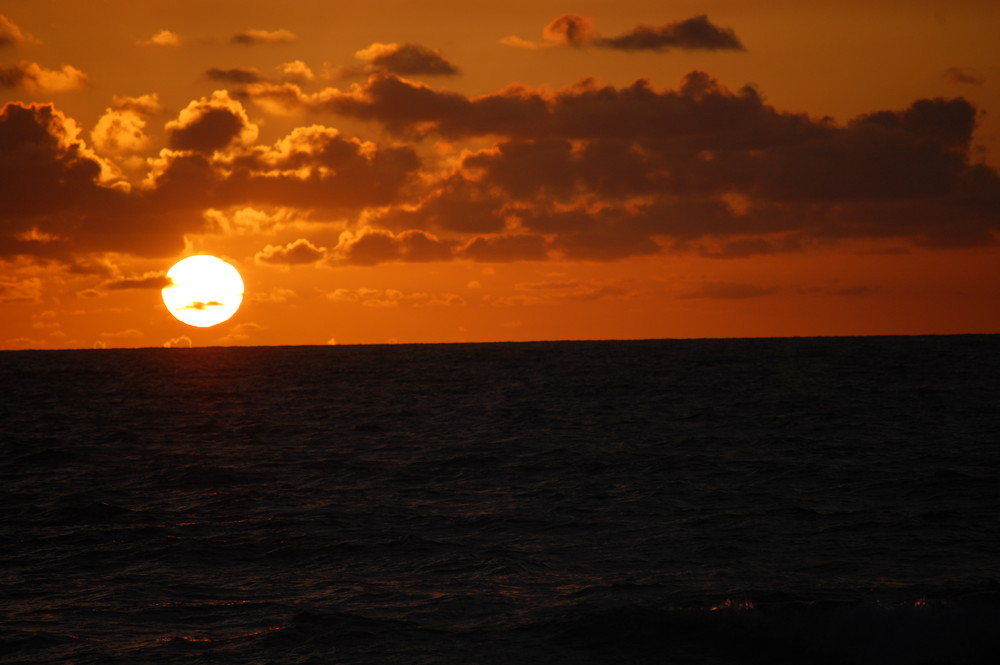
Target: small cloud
x=406 y=60
x=578 y=31
x=145 y=105
x=571 y=29
x=693 y=33
x=199 y=305
x=12 y=35
x=275 y=296
x=162 y=38
x=298 y=252
x=729 y=291
x=516 y=42
x=860 y=290
x=385 y=298
x=211 y=124
x=148 y=281
x=295 y=71
x=240 y=333
x=182 y=342
x=963 y=76
x=331 y=342
x=253 y=37
x=33 y=78
x=236 y=75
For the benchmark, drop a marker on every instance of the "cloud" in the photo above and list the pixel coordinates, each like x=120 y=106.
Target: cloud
x=182 y=342
x=297 y=252
x=32 y=78
x=316 y=167
x=11 y=35
x=697 y=32
x=149 y=281
x=254 y=37
x=20 y=290
x=517 y=42
x=144 y=105
x=406 y=60
x=236 y=75
x=210 y=124
x=199 y=305
x=503 y=248
x=373 y=246
x=963 y=76
x=295 y=71
x=58 y=199
x=693 y=33
x=729 y=291
x=369 y=297
x=588 y=172
x=45 y=170
x=571 y=29
x=162 y=38
x=696 y=161
x=850 y=291
x=121 y=130
x=240 y=333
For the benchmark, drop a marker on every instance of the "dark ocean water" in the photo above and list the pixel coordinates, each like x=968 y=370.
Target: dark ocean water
x=830 y=500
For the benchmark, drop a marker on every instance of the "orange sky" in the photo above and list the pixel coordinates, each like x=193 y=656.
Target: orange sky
x=444 y=172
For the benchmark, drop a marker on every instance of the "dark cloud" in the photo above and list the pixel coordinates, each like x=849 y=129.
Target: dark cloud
x=554 y=167
x=254 y=37
x=407 y=60
x=317 y=167
x=211 y=124
x=199 y=305
x=571 y=29
x=59 y=200
x=373 y=246
x=693 y=33
x=700 y=109
x=588 y=172
x=155 y=281
x=11 y=34
x=47 y=176
x=729 y=291
x=236 y=75
x=503 y=248
x=963 y=76
x=454 y=204
x=696 y=32
x=703 y=161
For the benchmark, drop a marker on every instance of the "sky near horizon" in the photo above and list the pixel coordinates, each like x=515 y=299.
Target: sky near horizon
x=393 y=171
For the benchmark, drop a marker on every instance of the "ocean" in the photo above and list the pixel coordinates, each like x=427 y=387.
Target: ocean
x=802 y=500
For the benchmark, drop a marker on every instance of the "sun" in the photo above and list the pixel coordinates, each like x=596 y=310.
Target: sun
x=204 y=291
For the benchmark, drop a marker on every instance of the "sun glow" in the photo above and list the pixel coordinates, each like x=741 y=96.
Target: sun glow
x=204 y=291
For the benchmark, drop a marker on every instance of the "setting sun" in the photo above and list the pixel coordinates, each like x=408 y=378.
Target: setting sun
x=203 y=291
